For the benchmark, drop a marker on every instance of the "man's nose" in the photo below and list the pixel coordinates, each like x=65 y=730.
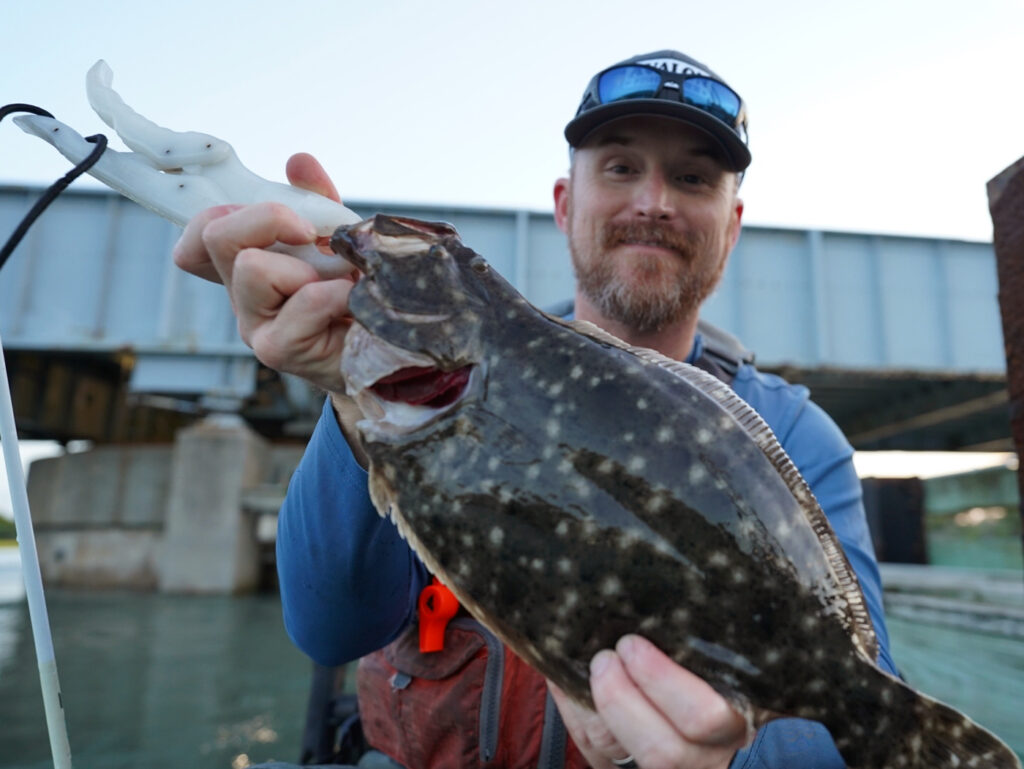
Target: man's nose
x=654 y=198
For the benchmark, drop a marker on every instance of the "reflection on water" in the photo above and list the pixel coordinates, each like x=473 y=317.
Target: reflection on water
x=155 y=681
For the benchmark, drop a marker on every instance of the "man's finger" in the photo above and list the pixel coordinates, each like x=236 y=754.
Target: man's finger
x=702 y=715
x=190 y=253
x=308 y=333
x=588 y=730
x=263 y=281
x=256 y=226
x=305 y=171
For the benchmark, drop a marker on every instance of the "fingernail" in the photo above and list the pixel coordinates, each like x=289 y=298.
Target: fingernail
x=628 y=647
x=310 y=230
x=600 y=662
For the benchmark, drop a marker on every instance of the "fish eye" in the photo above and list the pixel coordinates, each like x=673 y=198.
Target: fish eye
x=479 y=265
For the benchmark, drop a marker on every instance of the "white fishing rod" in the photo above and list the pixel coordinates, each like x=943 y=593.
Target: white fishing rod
x=56 y=725
x=53 y=703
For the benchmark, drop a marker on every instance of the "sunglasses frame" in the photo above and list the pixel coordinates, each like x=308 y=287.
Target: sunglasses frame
x=676 y=82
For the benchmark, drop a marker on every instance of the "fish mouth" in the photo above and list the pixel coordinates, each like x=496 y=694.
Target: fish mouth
x=423 y=386
x=399 y=391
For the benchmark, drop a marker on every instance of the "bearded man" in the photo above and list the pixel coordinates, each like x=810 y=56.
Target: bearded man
x=651 y=210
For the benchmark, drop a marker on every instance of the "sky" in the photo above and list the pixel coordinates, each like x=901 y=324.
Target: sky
x=881 y=116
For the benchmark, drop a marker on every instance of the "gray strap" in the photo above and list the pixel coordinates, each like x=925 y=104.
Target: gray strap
x=553 y=739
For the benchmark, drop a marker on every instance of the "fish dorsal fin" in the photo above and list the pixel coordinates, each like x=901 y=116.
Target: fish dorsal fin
x=858 y=619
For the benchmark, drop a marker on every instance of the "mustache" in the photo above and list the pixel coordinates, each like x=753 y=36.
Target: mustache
x=615 y=234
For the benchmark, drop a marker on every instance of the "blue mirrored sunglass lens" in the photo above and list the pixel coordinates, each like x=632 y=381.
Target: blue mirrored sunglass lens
x=712 y=97
x=628 y=83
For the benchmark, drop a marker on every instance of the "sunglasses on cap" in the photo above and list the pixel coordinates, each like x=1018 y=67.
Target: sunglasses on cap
x=638 y=81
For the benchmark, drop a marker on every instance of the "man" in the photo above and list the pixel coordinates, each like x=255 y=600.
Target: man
x=651 y=211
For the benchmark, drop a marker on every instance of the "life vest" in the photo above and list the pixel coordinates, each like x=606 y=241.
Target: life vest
x=475 y=703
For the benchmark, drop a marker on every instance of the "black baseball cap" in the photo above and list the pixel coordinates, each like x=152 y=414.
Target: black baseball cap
x=670 y=84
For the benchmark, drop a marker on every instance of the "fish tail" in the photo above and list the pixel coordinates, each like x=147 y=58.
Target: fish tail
x=897 y=727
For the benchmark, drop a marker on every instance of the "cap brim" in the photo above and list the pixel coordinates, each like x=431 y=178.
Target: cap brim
x=735 y=150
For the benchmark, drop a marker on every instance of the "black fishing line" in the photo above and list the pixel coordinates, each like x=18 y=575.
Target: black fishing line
x=56 y=188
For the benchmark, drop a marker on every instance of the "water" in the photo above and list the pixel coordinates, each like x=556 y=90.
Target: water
x=159 y=681
x=156 y=681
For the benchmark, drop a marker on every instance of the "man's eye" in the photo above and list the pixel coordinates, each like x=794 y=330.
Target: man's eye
x=619 y=168
x=691 y=179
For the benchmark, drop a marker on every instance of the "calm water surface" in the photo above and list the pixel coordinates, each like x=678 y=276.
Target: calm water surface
x=155 y=681
x=211 y=683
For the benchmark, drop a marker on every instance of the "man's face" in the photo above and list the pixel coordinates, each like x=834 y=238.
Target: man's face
x=651 y=214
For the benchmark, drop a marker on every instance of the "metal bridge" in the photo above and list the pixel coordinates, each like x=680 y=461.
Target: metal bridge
x=898 y=338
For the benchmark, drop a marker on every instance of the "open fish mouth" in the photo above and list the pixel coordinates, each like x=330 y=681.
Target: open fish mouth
x=399 y=391
x=423 y=386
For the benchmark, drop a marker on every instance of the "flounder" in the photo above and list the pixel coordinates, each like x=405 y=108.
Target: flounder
x=571 y=489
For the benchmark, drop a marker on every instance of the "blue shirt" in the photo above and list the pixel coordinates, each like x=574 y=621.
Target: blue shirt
x=349 y=583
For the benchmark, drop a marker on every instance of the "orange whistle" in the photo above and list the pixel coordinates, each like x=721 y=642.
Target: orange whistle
x=437 y=605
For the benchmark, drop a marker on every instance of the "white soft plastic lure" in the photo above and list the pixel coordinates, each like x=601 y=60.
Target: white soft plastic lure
x=177 y=174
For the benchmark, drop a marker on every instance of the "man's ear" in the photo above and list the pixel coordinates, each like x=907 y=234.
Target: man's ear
x=734 y=225
x=561 y=193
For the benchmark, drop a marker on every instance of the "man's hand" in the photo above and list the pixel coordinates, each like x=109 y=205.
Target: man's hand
x=293 y=321
x=650 y=708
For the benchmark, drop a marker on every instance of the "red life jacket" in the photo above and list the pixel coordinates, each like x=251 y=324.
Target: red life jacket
x=473 y=704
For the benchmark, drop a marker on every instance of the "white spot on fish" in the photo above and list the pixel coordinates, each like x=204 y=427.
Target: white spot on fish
x=628 y=437
x=553 y=646
x=497 y=536
x=817 y=686
x=564 y=565
x=533 y=471
x=576 y=372
x=703 y=436
x=556 y=389
x=493 y=463
x=562 y=528
x=664 y=434
x=537 y=564
x=467 y=540
x=636 y=464
x=680 y=616
x=595 y=381
x=605 y=466
x=641 y=404
x=650 y=623
x=552 y=428
x=772 y=656
x=464 y=568
x=569 y=600
x=655 y=503
x=718 y=558
x=697 y=474
x=611 y=585
x=581 y=487
x=565 y=467
x=505 y=495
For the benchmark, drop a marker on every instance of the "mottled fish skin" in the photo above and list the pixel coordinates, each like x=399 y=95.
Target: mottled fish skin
x=578 y=492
